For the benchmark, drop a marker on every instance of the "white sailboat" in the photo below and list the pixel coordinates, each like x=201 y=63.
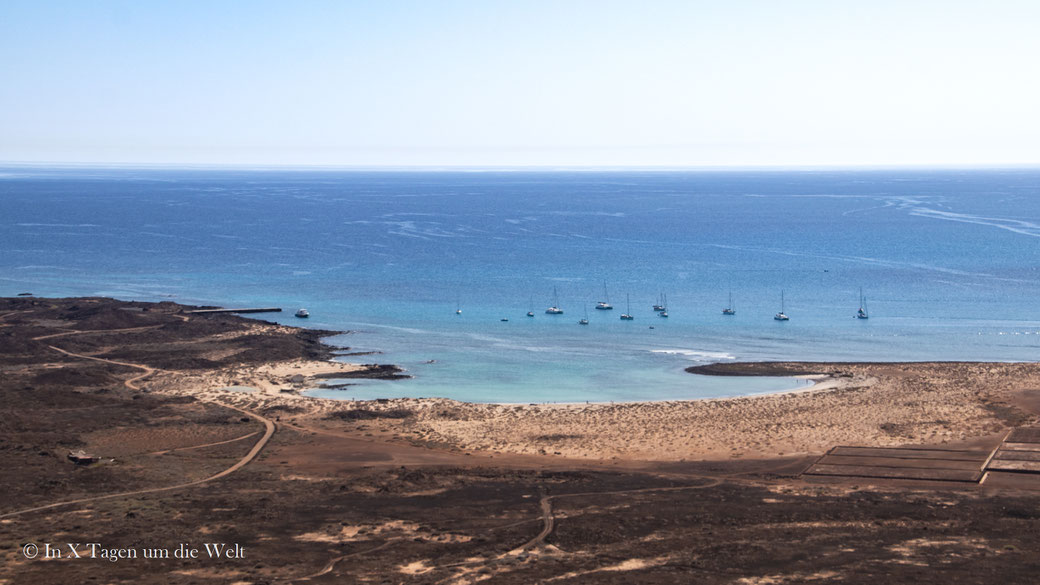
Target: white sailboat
x=555 y=308
x=861 y=313
x=627 y=315
x=585 y=320
x=530 y=302
x=660 y=303
x=729 y=310
x=664 y=306
x=604 y=305
x=781 y=316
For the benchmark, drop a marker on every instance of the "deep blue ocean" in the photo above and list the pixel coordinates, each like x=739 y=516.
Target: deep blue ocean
x=948 y=260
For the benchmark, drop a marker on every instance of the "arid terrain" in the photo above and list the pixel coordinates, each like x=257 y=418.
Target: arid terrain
x=201 y=436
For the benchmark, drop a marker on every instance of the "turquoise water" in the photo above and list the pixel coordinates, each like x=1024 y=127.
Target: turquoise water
x=948 y=261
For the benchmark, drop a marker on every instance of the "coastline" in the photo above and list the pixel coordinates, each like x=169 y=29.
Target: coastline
x=154 y=397
x=874 y=404
x=865 y=403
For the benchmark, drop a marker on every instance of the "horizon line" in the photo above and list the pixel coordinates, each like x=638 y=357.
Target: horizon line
x=508 y=167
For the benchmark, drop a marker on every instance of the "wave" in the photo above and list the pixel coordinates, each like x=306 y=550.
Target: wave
x=589 y=213
x=63 y=225
x=417 y=214
x=695 y=354
x=487 y=338
x=48 y=267
x=426 y=231
x=407 y=235
x=1018 y=226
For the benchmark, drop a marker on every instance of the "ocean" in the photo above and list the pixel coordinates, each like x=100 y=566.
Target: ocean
x=948 y=262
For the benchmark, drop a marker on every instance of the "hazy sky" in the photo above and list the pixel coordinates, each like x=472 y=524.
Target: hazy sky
x=432 y=82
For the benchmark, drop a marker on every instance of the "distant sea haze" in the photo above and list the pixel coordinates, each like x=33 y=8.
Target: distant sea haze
x=949 y=263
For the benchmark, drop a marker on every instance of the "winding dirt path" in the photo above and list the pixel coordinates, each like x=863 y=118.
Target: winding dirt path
x=8 y=314
x=332 y=564
x=129 y=382
x=269 y=429
x=164 y=451
x=548 y=520
x=99 y=331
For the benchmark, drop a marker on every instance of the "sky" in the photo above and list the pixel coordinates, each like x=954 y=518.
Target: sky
x=496 y=83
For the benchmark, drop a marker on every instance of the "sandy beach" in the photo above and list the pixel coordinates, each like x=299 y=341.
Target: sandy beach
x=862 y=404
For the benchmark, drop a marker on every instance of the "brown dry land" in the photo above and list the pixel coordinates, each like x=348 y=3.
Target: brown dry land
x=441 y=492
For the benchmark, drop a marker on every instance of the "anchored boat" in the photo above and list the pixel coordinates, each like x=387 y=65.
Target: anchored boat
x=627 y=315
x=781 y=316
x=862 y=312
x=605 y=304
x=729 y=310
x=660 y=303
x=555 y=308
